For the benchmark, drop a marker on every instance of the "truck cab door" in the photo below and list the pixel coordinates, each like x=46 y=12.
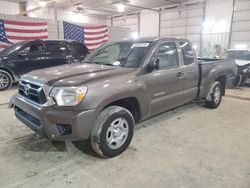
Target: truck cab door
x=190 y=69
x=165 y=83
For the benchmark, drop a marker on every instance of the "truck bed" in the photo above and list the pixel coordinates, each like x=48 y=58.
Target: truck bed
x=212 y=69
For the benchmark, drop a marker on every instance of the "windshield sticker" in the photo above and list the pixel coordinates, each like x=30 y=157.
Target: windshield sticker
x=140 y=45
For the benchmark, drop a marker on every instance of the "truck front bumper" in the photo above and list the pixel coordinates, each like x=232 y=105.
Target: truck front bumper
x=54 y=124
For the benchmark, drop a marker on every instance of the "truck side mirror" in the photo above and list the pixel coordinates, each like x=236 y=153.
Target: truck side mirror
x=153 y=64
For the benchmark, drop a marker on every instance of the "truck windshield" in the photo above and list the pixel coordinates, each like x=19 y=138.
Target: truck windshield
x=238 y=55
x=124 y=54
x=10 y=49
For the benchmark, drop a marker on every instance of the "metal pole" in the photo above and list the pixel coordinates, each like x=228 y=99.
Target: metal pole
x=57 y=22
x=231 y=26
x=201 y=34
x=186 y=22
x=159 y=28
x=139 y=23
x=110 y=29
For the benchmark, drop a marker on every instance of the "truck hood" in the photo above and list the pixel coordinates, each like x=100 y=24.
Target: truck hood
x=242 y=62
x=75 y=74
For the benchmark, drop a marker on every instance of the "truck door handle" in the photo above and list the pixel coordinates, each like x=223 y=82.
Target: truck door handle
x=179 y=74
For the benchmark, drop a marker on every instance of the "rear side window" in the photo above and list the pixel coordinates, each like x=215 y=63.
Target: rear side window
x=56 y=48
x=187 y=53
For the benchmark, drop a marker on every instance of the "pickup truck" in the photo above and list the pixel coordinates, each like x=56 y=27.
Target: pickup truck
x=117 y=86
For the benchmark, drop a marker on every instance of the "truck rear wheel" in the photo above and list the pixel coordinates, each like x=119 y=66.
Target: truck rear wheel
x=215 y=96
x=112 y=131
x=5 y=80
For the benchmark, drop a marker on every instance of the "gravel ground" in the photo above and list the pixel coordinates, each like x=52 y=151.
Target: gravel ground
x=191 y=146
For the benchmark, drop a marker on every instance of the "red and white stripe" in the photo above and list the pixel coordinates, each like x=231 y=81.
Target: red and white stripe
x=17 y=31
x=3 y=45
x=95 y=36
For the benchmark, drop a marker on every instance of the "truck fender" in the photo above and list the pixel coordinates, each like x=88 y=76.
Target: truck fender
x=209 y=94
x=211 y=79
x=137 y=91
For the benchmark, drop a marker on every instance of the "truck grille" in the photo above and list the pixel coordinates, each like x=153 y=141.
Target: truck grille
x=32 y=92
x=35 y=122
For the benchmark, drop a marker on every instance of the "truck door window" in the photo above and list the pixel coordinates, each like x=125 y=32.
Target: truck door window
x=187 y=52
x=167 y=55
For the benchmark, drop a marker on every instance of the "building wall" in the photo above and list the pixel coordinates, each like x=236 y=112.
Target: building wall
x=207 y=26
x=183 y=22
x=12 y=8
x=216 y=27
x=240 y=36
x=49 y=13
x=7 y=7
x=149 y=24
x=115 y=33
x=8 y=10
x=52 y=27
x=128 y=21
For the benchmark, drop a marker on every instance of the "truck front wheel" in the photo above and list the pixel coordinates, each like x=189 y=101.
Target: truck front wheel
x=215 y=95
x=112 y=131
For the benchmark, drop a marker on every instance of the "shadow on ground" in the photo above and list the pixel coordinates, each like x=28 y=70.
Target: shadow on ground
x=35 y=143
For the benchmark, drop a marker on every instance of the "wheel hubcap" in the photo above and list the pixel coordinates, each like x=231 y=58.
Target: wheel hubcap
x=3 y=81
x=217 y=95
x=117 y=133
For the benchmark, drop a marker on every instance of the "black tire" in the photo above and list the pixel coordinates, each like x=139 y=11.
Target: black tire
x=243 y=81
x=5 y=80
x=214 y=101
x=100 y=129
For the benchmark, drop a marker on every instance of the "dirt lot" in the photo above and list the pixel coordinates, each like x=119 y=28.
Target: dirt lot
x=190 y=146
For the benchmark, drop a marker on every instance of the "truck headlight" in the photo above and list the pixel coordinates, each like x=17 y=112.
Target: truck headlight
x=246 y=70
x=68 y=96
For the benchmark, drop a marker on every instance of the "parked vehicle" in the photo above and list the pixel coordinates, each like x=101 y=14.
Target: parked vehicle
x=26 y=56
x=118 y=85
x=242 y=59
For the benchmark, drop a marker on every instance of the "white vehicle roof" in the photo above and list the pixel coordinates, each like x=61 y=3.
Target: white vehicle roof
x=237 y=50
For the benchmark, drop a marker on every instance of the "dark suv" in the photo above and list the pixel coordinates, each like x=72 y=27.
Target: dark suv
x=26 y=56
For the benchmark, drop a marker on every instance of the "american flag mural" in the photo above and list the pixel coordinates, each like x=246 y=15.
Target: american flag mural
x=91 y=36
x=16 y=31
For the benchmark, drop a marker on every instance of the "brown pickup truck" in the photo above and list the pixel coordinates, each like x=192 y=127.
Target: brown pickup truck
x=117 y=86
